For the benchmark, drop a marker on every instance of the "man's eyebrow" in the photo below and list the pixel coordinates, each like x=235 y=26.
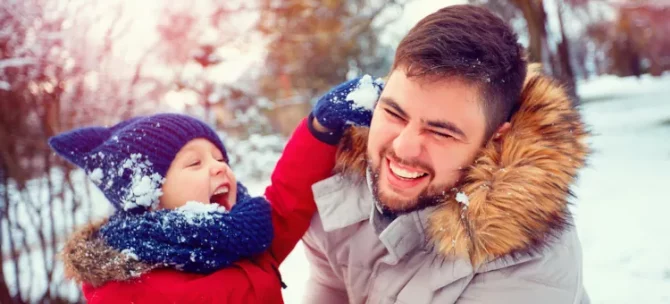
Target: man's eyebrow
x=391 y=103
x=447 y=125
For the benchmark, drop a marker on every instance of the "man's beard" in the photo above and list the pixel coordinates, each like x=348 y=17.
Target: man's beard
x=431 y=196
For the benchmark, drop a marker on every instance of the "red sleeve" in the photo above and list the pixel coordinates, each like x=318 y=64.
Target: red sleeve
x=305 y=161
x=246 y=281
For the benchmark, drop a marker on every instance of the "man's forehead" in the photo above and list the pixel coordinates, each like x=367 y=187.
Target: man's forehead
x=443 y=92
x=450 y=100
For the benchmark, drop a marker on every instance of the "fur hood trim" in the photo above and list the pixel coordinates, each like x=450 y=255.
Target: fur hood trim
x=88 y=259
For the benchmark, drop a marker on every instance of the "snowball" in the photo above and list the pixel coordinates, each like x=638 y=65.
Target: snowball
x=96 y=176
x=462 y=198
x=365 y=95
x=145 y=186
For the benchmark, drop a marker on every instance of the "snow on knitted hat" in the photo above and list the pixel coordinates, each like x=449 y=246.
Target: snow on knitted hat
x=129 y=160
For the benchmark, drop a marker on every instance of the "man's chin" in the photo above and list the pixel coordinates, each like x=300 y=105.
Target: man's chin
x=396 y=204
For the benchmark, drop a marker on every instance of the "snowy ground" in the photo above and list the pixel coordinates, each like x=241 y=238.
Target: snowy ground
x=622 y=203
x=621 y=206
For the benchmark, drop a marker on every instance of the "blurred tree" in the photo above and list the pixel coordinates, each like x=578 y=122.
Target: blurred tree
x=53 y=77
x=633 y=43
x=315 y=45
x=554 y=54
x=193 y=47
x=636 y=42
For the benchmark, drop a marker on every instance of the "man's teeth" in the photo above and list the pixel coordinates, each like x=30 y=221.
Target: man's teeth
x=221 y=191
x=404 y=173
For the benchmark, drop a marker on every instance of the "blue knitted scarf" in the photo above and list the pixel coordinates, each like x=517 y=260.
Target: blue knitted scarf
x=199 y=242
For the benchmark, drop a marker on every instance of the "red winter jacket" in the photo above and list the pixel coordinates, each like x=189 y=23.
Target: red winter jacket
x=305 y=161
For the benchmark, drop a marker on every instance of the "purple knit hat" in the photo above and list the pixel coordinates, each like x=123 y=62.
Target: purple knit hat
x=129 y=160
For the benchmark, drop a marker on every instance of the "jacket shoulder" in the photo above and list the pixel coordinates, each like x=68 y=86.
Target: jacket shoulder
x=558 y=264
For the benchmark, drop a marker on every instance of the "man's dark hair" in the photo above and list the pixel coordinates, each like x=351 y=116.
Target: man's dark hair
x=472 y=44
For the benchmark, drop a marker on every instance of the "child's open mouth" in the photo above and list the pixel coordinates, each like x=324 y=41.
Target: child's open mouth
x=220 y=195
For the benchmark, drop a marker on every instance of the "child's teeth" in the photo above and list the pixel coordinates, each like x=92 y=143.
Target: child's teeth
x=222 y=190
x=404 y=173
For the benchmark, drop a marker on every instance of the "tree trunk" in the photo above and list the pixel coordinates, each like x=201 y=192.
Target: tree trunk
x=564 y=71
x=5 y=296
x=536 y=20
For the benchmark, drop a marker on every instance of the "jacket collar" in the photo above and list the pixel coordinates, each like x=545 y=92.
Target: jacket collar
x=518 y=189
x=340 y=207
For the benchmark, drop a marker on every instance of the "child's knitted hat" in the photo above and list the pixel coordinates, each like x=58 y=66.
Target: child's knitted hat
x=129 y=161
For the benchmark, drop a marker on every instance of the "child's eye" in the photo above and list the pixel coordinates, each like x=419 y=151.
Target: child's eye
x=221 y=160
x=194 y=163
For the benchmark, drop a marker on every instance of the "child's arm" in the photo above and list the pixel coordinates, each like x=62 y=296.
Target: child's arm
x=305 y=161
x=308 y=159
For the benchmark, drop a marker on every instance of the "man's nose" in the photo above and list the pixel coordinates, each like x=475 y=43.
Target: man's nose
x=408 y=143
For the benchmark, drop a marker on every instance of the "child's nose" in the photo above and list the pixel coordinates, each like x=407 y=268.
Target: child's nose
x=217 y=168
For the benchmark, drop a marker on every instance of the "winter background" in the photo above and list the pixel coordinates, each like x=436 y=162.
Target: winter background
x=253 y=71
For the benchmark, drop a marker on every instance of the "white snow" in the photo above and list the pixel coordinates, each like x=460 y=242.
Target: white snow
x=365 y=95
x=130 y=253
x=462 y=198
x=96 y=176
x=16 y=62
x=145 y=187
x=195 y=207
x=622 y=207
x=193 y=210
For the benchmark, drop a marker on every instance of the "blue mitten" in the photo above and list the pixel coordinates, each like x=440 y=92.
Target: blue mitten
x=350 y=103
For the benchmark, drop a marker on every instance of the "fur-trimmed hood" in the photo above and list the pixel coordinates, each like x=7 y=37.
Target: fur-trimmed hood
x=518 y=188
x=87 y=258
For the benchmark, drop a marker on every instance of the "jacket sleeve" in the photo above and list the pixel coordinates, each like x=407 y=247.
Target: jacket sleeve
x=305 y=161
x=324 y=285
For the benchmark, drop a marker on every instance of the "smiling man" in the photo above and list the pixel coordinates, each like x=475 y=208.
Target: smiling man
x=458 y=192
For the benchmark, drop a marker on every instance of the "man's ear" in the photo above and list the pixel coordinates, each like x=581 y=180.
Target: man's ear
x=501 y=131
